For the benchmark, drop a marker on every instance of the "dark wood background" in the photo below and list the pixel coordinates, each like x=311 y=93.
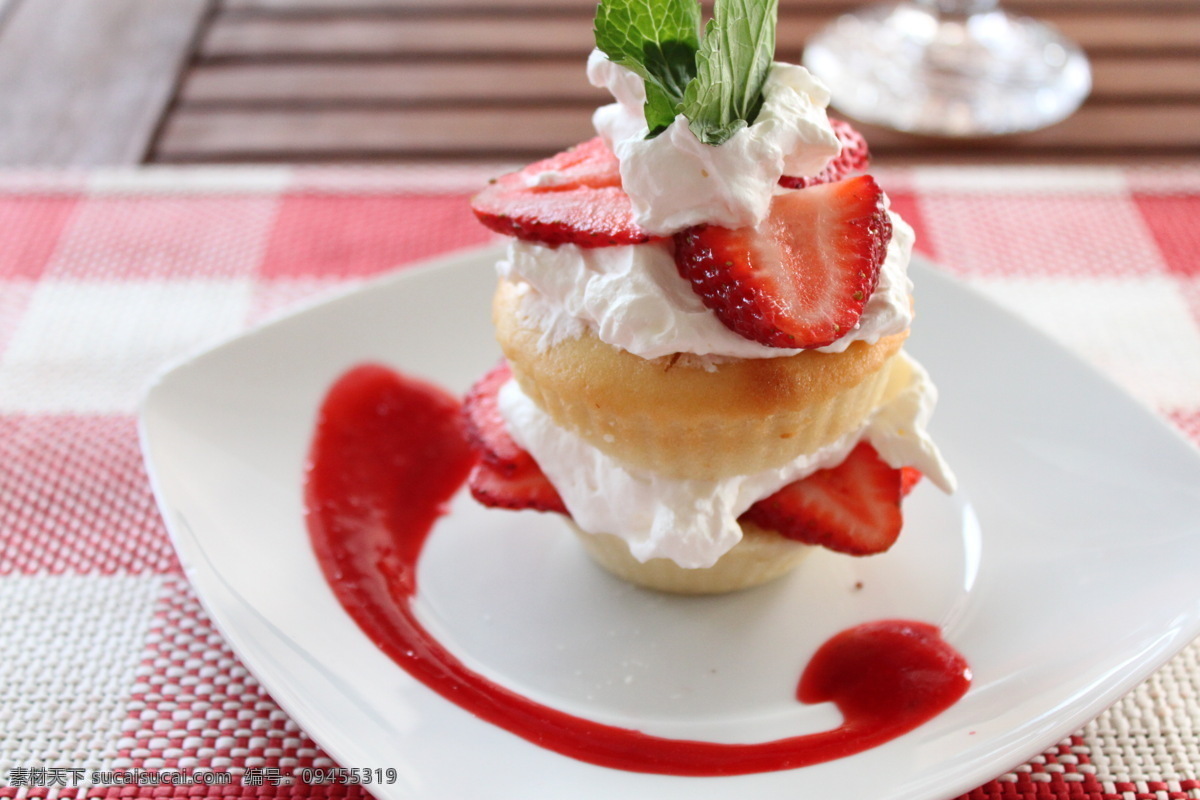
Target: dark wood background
x=403 y=80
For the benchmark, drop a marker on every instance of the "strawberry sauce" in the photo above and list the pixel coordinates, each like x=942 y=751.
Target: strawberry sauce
x=388 y=454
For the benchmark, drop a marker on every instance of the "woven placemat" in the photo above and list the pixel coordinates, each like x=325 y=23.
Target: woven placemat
x=109 y=665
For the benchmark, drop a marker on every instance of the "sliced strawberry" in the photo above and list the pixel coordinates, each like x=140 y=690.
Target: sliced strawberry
x=486 y=429
x=909 y=478
x=800 y=278
x=525 y=488
x=506 y=475
x=578 y=200
x=852 y=508
x=853 y=158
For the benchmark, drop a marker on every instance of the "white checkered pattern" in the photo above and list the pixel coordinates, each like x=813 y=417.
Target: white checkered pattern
x=72 y=645
x=1137 y=330
x=120 y=334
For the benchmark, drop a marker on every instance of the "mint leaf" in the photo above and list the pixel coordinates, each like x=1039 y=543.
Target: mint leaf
x=716 y=82
x=660 y=109
x=732 y=65
x=658 y=40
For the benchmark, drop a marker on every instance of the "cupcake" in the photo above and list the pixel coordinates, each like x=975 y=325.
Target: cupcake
x=703 y=334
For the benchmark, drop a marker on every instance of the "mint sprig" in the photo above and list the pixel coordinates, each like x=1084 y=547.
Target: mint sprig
x=658 y=40
x=732 y=66
x=715 y=81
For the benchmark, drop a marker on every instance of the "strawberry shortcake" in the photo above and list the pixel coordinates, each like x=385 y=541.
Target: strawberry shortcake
x=702 y=313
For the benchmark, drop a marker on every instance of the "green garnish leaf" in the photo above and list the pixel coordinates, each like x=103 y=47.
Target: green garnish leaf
x=732 y=65
x=716 y=82
x=658 y=40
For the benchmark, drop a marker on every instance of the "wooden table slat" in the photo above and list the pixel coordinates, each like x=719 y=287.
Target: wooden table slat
x=547 y=83
x=1136 y=79
x=450 y=36
x=344 y=7
x=445 y=83
x=245 y=135
x=410 y=38
x=526 y=133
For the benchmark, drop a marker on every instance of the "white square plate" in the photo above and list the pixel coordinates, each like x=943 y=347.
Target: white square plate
x=1064 y=569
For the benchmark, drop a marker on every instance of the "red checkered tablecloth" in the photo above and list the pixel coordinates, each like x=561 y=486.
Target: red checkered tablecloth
x=108 y=662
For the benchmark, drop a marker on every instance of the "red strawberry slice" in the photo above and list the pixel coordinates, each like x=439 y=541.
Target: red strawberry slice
x=506 y=475
x=909 y=478
x=799 y=279
x=852 y=508
x=854 y=157
x=526 y=488
x=486 y=430
x=580 y=201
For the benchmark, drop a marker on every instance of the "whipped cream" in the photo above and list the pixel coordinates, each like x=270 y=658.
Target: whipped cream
x=633 y=297
x=694 y=522
x=676 y=181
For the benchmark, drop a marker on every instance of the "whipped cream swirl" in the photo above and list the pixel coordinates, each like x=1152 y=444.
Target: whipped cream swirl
x=676 y=181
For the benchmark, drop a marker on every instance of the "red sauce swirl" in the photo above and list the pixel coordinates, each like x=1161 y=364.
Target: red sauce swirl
x=388 y=454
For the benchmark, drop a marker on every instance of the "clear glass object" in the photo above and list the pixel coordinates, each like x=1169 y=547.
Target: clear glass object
x=949 y=68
